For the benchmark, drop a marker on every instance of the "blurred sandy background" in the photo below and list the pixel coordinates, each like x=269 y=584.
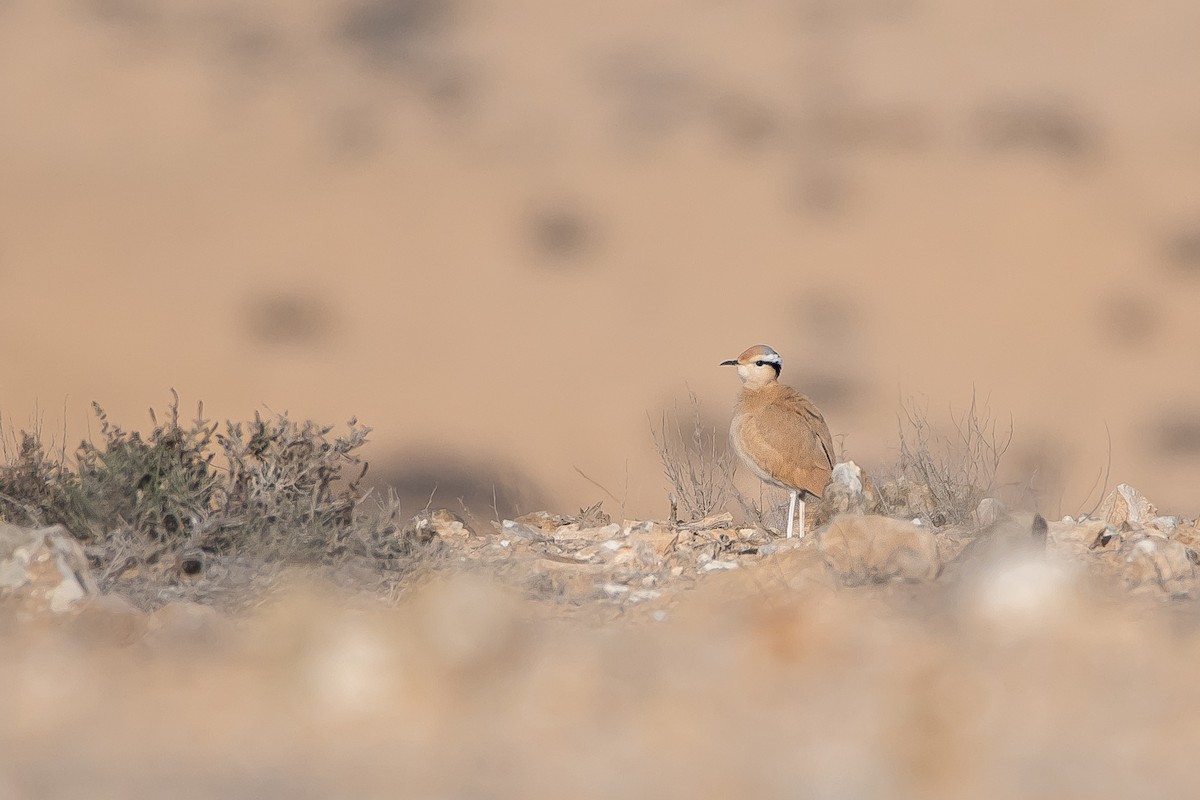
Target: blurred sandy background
x=503 y=233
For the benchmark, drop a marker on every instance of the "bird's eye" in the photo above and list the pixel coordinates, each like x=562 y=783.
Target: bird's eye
x=760 y=363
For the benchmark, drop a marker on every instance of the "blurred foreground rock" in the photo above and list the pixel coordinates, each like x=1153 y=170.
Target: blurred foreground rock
x=109 y=619
x=863 y=549
x=1000 y=535
x=43 y=570
x=1159 y=563
x=45 y=579
x=186 y=624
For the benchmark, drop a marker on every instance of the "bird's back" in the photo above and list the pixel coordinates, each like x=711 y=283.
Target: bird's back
x=784 y=438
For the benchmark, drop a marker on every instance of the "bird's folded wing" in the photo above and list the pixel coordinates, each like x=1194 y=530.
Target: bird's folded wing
x=792 y=443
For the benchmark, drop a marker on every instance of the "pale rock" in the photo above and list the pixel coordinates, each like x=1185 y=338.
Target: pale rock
x=574 y=533
x=521 y=530
x=1155 y=561
x=988 y=512
x=1164 y=525
x=873 y=548
x=715 y=565
x=1126 y=505
x=848 y=476
x=43 y=569
x=849 y=491
x=440 y=522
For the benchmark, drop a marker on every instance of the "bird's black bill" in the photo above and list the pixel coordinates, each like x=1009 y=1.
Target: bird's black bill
x=732 y=363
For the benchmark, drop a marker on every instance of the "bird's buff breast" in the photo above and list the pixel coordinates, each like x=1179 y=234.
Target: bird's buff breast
x=735 y=441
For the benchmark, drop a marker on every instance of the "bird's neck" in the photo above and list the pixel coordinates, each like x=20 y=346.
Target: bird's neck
x=754 y=387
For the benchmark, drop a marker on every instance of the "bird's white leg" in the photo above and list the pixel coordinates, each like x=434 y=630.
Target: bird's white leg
x=801 y=514
x=792 y=514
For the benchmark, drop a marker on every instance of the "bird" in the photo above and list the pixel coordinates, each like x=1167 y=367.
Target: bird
x=778 y=432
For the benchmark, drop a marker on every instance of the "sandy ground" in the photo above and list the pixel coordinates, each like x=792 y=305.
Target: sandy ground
x=505 y=233
x=1025 y=680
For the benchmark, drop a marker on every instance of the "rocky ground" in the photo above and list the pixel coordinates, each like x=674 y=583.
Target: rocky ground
x=579 y=656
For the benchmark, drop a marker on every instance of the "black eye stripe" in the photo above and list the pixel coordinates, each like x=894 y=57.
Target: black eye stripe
x=772 y=364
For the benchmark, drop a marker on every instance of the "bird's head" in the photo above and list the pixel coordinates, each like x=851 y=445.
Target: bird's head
x=758 y=366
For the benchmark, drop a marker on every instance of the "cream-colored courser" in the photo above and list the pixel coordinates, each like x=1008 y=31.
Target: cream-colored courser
x=778 y=432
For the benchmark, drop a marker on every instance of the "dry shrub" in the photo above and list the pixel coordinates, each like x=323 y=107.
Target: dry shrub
x=185 y=499
x=162 y=486
x=35 y=487
x=950 y=472
x=696 y=462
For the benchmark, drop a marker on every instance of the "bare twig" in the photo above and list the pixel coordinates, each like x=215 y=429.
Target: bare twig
x=600 y=486
x=1107 y=473
x=958 y=470
x=697 y=463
